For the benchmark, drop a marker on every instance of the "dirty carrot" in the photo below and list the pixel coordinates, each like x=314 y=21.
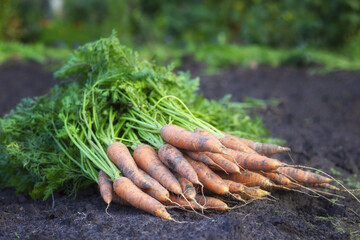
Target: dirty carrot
x=119 y=154
x=254 y=192
x=254 y=161
x=265 y=149
x=204 y=133
x=326 y=186
x=185 y=139
x=234 y=187
x=176 y=161
x=244 y=191
x=277 y=178
x=249 y=179
x=232 y=143
x=224 y=163
x=201 y=156
x=212 y=203
x=187 y=187
x=181 y=202
x=157 y=191
x=105 y=186
x=301 y=176
x=128 y=191
x=147 y=159
x=208 y=178
x=117 y=199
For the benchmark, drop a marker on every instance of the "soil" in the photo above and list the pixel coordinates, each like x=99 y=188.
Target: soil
x=318 y=116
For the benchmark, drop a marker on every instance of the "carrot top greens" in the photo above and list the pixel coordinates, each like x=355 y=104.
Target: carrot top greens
x=58 y=142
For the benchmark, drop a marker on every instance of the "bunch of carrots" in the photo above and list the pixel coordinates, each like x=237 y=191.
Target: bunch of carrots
x=145 y=136
x=192 y=164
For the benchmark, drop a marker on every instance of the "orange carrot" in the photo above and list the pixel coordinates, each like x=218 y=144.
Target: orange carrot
x=227 y=165
x=105 y=186
x=119 y=200
x=208 y=178
x=232 y=143
x=301 y=176
x=225 y=153
x=204 y=133
x=277 y=178
x=237 y=197
x=201 y=157
x=245 y=192
x=176 y=161
x=265 y=149
x=249 y=179
x=254 y=192
x=157 y=191
x=254 y=161
x=283 y=187
x=234 y=187
x=212 y=203
x=326 y=186
x=180 y=201
x=119 y=154
x=184 y=139
x=148 y=160
x=128 y=191
x=187 y=187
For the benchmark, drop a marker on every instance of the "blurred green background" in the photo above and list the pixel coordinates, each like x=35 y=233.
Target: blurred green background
x=219 y=33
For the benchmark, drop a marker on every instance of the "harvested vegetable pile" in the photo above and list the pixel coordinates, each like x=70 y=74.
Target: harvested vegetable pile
x=111 y=102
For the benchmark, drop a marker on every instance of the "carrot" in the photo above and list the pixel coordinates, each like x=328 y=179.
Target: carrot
x=119 y=154
x=128 y=191
x=237 y=197
x=208 y=178
x=254 y=192
x=249 y=179
x=301 y=176
x=265 y=149
x=245 y=192
x=184 y=139
x=234 y=187
x=180 y=201
x=119 y=200
x=148 y=160
x=176 y=161
x=277 y=178
x=284 y=187
x=204 y=133
x=201 y=157
x=254 y=161
x=187 y=187
x=157 y=191
x=212 y=203
x=225 y=153
x=105 y=186
x=232 y=143
x=227 y=165
x=326 y=186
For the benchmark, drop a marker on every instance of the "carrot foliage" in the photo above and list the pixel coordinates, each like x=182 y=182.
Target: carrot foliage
x=58 y=142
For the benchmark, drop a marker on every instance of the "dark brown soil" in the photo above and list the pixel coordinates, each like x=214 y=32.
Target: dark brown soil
x=318 y=116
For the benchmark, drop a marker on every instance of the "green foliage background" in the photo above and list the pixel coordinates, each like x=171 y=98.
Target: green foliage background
x=283 y=23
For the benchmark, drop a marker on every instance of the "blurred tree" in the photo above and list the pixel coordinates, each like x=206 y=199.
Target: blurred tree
x=10 y=22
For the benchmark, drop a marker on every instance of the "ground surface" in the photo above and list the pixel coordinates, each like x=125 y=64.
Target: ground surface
x=318 y=116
